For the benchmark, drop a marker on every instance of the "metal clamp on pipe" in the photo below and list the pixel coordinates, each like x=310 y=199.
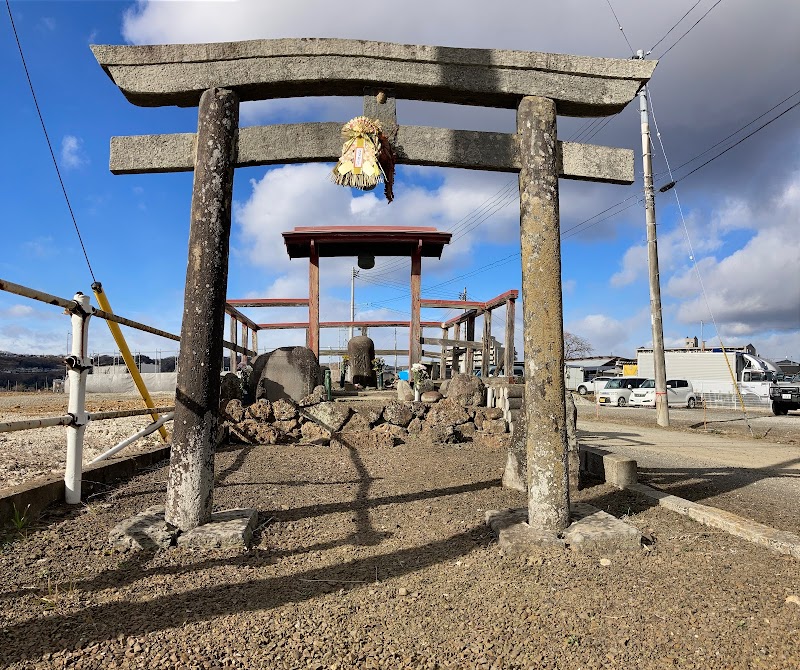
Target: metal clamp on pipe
x=76 y=421
x=77 y=364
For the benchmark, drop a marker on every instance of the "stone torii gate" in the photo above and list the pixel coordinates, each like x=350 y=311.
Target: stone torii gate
x=216 y=77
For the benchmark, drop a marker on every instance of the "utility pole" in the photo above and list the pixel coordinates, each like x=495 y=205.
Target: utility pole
x=659 y=365
x=353 y=276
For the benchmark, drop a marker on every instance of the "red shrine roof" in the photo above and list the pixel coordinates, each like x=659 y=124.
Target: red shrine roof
x=333 y=241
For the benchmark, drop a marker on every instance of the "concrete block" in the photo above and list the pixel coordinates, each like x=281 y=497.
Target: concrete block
x=591 y=529
x=230 y=528
x=145 y=531
x=594 y=529
x=617 y=470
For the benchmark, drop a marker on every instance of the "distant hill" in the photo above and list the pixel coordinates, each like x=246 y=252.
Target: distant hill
x=25 y=372
x=28 y=372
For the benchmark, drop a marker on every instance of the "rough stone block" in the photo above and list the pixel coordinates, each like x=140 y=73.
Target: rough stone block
x=466 y=390
x=145 y=531
x=515 y=536
x=398 y=413
x=261 y=410
x=415 y=426
x=593 y=528
x=494 y=426
x=233 y=411
x=230 y=528
x=330 y=415
x=314 y=433
x=446 y=413
x=286 y=426
x=391 y=429
x=284 y=410
x=357 y=422
x=467 y=430
x=404 y=391
x=431 y=397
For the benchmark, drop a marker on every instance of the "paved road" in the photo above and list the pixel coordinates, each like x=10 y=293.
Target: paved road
x=751 y=477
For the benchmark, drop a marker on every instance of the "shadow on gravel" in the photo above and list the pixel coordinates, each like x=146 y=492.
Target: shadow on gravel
x=598 y=439
x=697 y=484
x=32 y=638
x=134 y=568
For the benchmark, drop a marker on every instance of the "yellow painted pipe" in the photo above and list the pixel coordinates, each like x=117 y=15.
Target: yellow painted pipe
x=122 y=345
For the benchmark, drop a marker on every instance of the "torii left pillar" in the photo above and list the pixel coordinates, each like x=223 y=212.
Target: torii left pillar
x=191 y=473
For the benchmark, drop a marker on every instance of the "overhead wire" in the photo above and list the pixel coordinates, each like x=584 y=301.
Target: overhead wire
x=694 y=25
x=47 y=139
x=691 y=9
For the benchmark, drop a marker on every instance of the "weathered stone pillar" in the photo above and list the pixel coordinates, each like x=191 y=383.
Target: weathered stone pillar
x=414 y=345
x=191 y=473
x=546 y=438
x=361 y=350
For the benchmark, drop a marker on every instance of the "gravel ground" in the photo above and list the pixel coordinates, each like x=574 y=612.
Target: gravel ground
x=29 y=454
x=378 y=558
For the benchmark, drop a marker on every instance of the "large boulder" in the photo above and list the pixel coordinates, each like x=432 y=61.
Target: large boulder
x=289 y=373
x=466 y=390
x=361 y=350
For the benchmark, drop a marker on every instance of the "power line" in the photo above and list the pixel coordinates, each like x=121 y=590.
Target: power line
x=736 y=132
x=673 y=27
x=694 y=25
x=737 y=143
x=619 y=25
x=47 y=138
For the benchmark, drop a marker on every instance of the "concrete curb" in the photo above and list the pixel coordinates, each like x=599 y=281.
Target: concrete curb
x=617 y=470
x=39 y=493
x=782 y=542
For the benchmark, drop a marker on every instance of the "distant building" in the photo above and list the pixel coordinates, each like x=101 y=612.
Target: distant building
x=789 y=367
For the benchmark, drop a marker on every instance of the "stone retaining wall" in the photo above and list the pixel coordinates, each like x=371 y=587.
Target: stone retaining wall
x=313 y=420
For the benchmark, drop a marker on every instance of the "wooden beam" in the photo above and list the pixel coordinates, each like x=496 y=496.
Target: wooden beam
x=232 y=311
x=312 y=335
x=268 y=302
x=501 y=299
x=289 y=325
x=415 y=330
x=508 y=363
x=458 y=343
x=450 y=304
x=487 y=337
x=470 y=358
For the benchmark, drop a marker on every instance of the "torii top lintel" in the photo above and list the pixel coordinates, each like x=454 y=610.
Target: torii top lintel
x=177 y=74
x=333 y=241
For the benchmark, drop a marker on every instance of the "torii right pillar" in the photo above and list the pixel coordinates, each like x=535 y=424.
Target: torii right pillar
x=546 y=435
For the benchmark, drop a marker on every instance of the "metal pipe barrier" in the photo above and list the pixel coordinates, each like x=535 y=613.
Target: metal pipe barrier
x=67 y=419
x=153 y=427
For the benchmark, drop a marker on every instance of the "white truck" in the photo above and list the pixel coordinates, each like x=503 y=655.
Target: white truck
x=710 y=374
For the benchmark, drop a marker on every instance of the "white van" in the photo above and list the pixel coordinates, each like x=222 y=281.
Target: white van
x=618 y=391
x=679 y=393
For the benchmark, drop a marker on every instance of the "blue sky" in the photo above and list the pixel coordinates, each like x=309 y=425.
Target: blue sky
x=741 y=213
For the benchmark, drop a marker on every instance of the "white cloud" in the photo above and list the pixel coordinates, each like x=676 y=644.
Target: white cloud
x=609 y=335
x=72 y=154
x=17 y=311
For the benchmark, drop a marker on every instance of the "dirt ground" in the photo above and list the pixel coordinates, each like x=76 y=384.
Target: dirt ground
x=379 y=558
x=29 y=454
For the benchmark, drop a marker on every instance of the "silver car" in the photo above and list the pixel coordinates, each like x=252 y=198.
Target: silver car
x=618 y=391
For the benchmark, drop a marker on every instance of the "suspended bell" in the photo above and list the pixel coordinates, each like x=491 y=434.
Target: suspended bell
x=366 y=262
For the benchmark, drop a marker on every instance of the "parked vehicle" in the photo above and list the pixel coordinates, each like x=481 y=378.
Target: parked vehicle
x=679 y=393
x=594 y=385
x=709 y=371
x=618 y=391
x=785 y=396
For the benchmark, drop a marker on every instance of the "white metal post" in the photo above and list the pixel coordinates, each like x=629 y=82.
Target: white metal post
x=78 y=366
